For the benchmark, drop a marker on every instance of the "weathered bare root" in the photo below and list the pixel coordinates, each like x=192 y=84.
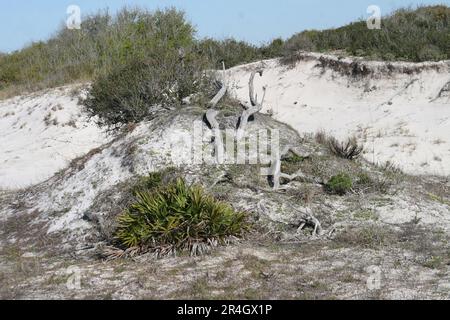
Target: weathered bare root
x=217 y=134
x=308 y=219
x=277 y=175
x=218 y=96
x=251 y=109
x=211 y=115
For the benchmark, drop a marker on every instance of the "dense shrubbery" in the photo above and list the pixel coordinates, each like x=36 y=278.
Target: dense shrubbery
x=127 y=92
x=234 y=52
x=410 y=35
x=103 y=43
x=106 y=43
x=178 y=217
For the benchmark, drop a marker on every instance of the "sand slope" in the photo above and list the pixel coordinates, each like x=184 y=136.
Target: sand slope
x=40 y=134
x=401 y=111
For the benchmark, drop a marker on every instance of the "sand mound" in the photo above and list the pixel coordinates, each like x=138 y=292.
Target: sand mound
x=400 y=111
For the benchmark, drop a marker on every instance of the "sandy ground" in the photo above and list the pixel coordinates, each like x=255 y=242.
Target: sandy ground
x=390 y=244
x=40 y=134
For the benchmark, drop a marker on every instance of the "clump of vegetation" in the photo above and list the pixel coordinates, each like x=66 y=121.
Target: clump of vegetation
x=348 y=150
x=366 y=182
x=233 y=52
x=371 y=237
x=127 y=93
x=291 y=163
x=407 y=34
x=105 y=44
x=339 y=184
x=178 y=217
x=321 y=137
x=154 y=180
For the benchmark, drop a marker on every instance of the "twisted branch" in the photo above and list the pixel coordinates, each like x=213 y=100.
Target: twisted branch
x=251 y=109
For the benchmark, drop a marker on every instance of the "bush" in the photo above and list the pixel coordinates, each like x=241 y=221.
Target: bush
x=103 y=44
x=178 y=217
x=128 y=92
x=230 y=51
x=340 y=184
x=106 y=43
x=407 y=34
x=300 y=42
x=349 y=150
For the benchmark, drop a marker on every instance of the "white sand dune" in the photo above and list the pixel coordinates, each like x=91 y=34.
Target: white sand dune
x=396 y=110
x=40 y=134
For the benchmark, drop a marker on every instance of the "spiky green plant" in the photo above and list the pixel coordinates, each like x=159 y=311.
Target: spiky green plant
x=178 y=217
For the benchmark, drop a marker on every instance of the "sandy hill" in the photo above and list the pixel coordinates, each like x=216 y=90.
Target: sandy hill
x=400 y=111
x=75 y=180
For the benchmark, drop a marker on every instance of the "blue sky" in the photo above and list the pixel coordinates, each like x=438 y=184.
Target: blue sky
x=256 y=21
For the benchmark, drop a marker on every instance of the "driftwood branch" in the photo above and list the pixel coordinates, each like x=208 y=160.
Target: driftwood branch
x=211 y=115
x=214 y=101
x=251 y=109
x=217 y=134
x=304 y=219
x=253 y=96
x=277 y=175
x=308 y=219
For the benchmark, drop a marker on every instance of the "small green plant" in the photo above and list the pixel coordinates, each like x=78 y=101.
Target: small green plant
x=434 y=262
x=292 y=163
x=364 y=179
x=340 y=184
x=154 y=180
x=178 y=217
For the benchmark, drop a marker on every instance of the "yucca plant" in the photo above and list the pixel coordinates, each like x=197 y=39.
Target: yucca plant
x=349 y=150
x=178 y=217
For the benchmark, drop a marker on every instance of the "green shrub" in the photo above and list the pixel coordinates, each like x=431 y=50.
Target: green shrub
x=154 y=180
x=103 y=43
x=407 y=34
x=106 y=43
x=127 y=92
x=230 y=51
x=340 y=184
x=178 y=217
